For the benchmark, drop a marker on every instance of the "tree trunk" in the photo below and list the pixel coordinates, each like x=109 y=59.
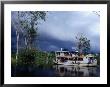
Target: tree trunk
x=17 y=46
x=17 y=38
x=25 y=42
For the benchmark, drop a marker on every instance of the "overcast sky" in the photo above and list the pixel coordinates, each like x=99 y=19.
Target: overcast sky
x=60 y=28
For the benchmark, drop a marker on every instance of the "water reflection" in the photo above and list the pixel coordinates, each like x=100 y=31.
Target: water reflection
x=55 y=71
x=76 y=71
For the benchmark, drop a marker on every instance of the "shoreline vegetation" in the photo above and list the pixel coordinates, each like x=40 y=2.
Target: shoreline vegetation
x=37 y=58
x=33 y=58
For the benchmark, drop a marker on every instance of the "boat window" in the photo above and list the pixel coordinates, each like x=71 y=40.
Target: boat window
x=63 y=59
x=80 y=59
x=66 y=58
x=66 y=53
x=58 y=57
x=70 y=58
x=91 y=57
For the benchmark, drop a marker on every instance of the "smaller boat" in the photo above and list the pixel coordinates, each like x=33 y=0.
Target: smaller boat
x=68 y=58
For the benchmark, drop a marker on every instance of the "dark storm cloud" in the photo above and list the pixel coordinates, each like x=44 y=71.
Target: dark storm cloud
x=49 y=43
x=61 y=28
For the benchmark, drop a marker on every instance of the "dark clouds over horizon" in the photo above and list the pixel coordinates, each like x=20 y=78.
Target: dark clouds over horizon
x=61 y=27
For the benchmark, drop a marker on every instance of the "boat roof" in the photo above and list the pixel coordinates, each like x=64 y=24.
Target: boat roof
x=89 y=55
x=61 y=51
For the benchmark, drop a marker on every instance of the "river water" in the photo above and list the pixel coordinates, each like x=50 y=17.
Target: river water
x=55 y=71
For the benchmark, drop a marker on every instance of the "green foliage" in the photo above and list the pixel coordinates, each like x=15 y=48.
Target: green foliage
x=13 y=61
x=27 y=56
x=41 y=58
x=44 y=58
x=29 y=22
x=51 y=57
x=33 y=57
x=13 y=55
x=83 y=44
x=37 y=15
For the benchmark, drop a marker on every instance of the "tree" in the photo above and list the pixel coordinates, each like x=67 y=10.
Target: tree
x=29 y=23
x=97 y=13
x=83 y=44
x=15 y=22
x=25 y=22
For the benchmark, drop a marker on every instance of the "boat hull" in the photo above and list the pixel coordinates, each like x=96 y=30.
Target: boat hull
x=81 y=64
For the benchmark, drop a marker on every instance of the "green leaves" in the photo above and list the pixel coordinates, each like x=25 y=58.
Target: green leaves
x=83 y=44
x=31 y=22
x=27 y=56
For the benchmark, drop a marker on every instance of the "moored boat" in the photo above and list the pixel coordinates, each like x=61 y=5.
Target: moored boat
x=69 y=58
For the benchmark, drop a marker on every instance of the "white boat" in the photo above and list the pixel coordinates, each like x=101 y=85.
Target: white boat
x=67 y=58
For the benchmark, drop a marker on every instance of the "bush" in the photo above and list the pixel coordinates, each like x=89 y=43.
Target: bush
x=41 y=58
x=27 y=57
x=44 y=58
x=13 y=59
x=33 y=57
